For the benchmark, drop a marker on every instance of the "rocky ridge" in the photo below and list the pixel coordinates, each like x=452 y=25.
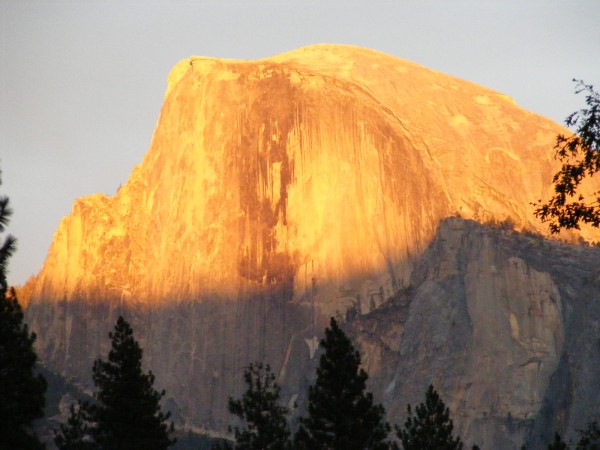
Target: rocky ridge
x=325 y=163
x=504 y=324
x=282 y=191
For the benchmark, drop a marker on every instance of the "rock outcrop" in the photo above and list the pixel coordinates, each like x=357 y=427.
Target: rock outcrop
x=326 y=163
x=279 y=192
x=503 y=324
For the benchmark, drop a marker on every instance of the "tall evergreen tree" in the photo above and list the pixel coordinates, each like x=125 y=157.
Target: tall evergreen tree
x=557 y=443
x=342 y=415
x=266 y=425
x=127 y=415
x=430 y=428
x=76 y=433
x=21 y=389
x=9 y=245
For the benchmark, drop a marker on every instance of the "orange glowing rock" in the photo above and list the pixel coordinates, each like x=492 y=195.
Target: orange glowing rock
x=323 y=169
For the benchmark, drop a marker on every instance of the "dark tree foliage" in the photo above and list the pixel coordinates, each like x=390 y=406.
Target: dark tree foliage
x=76 y=433
x=557 y=443
x=580 y=155
x=342 y=415
x=8 y=246
x=21 y=389
x=265 y=420
x=430 y=428
x=589 y=438
x=127 y=414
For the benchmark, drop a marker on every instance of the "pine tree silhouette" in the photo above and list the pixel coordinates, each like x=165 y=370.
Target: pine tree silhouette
x=342 y=415
x=127 y=415
x=265 y=419
x=430 y=427
x=21 y=389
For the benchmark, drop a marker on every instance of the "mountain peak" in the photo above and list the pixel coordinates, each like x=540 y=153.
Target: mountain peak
x=280 y=192
x=331 y=162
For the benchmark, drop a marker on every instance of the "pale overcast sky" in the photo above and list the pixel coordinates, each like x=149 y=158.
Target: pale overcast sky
x=82 y=82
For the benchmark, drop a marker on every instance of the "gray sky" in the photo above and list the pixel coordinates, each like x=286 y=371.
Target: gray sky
x=82 y=82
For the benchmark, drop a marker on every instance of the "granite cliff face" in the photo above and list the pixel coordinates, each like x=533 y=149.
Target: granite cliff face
x=504 y=324
x=331 y=161
x=282 y=191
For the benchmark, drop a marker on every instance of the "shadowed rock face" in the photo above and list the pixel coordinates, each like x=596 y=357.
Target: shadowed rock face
x=279 y=192
x=504 y=325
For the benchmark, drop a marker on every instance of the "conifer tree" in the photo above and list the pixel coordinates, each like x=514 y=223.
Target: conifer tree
x=266 y=426
x=76 y=433
x=342 y=415
x=21 y=389
x=127 y=414
x=8 y=245
x=430 y=428
x=558 y=443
